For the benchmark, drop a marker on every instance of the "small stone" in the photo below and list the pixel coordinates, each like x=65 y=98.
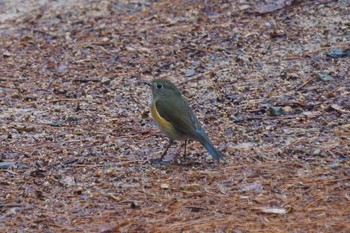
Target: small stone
x=317 y=152
x=105 y=80
x=251 y=187
x=134 y=205
x=54 y=124
x=46 y=184
x=309 y=114
x=339 y=52
x=190 y=73
x=105 y=39
x=6 y=53
x=232 y=118
x=79 y=191
x=110 y=171
x=244 y=7
x=72 y=118
x=324 y=77
x=69 y=181
x=164 y=186
x=276 y=111
x=62 y=68
x=287 y=109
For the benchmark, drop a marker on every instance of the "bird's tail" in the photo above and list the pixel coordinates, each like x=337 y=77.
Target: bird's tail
x=205 y=141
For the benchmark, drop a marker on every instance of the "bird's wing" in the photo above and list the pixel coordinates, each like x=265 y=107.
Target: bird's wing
x=180 y=114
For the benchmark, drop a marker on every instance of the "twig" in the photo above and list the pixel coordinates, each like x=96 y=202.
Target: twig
x=54 y=101
x=304 y=84
x=86 y=80
x=10 y=206
x=113 y=197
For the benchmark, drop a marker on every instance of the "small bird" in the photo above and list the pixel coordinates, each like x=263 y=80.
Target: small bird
x=175 y=118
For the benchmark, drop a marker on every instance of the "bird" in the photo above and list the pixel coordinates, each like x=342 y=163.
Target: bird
x=175 y=118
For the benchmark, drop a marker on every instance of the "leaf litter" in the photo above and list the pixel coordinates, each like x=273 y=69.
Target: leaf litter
x=71 y=112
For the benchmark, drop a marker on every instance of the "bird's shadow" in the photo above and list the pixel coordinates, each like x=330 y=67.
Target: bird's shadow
x=182 y=161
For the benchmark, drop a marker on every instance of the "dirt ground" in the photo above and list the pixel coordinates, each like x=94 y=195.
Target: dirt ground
x=269 y=80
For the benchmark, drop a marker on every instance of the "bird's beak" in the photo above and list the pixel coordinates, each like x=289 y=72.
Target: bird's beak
x=144 y=82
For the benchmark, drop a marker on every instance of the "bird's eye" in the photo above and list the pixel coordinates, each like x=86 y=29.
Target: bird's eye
x=159 y=86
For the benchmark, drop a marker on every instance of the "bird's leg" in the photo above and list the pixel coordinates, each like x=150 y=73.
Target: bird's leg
x=185 y=148
x=166 y=150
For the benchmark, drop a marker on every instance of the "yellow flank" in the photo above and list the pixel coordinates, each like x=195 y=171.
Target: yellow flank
x=163 y=124
x=160 y=121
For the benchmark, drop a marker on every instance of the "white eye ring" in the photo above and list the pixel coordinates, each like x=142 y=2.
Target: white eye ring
x=159 y=86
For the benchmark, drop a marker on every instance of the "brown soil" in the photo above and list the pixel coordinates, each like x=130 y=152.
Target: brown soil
x=77 y=126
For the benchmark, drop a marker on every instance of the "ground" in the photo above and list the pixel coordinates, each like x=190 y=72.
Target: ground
x=77 y=143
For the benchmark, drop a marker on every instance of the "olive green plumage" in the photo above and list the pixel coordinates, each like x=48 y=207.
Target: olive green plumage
x=175 y=117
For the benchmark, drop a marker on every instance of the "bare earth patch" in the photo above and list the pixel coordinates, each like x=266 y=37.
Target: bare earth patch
x=265 y=79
